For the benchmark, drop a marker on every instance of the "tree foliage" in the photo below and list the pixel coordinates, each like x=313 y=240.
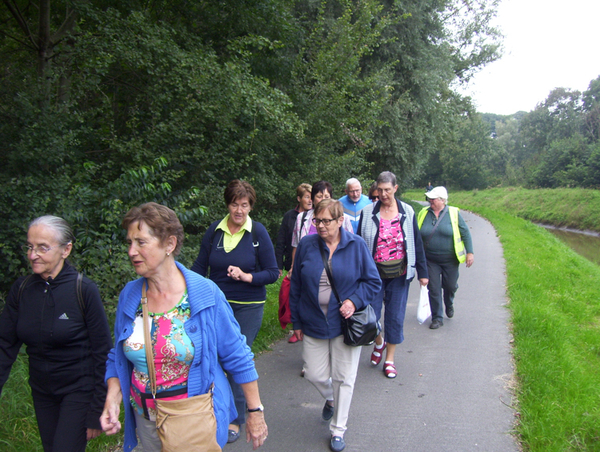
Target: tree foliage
x=105 y=105
x=556 y=144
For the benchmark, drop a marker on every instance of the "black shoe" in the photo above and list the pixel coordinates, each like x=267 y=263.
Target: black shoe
x=450 y=311
x=327 y=412
x=436 y=324
x=337 y=444
x=232 y=436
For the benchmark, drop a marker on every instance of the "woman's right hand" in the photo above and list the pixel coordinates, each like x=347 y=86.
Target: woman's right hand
x=109 y=420
x=299 y=334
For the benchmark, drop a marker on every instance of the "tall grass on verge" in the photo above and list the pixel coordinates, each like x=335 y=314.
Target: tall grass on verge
x=555 y=304
x=18 y=425
x=270 y=330
x=564 y=207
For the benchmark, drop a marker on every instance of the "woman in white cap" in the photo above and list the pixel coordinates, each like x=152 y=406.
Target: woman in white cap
x=448 y=243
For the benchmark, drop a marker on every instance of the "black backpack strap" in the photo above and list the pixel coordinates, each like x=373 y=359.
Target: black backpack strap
x=80 y=294
x=256 y=246
x=21 y=288
x=303 y=219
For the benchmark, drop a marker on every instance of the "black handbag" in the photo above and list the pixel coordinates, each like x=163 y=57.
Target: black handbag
x=363 y=327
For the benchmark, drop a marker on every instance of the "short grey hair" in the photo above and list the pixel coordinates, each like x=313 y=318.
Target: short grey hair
x=58 y=224
x=386 y=177
x=352 y=180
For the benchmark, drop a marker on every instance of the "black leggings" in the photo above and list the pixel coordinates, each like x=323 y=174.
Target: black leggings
x=62 y=420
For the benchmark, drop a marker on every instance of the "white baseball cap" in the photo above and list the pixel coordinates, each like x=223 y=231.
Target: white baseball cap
x=437 y=192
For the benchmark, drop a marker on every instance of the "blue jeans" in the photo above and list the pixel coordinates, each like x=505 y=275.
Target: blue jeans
x=394 y=294
x=443 y=275
x=249 y=316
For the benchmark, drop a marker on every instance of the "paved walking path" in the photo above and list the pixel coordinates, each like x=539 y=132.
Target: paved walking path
x=451 y=393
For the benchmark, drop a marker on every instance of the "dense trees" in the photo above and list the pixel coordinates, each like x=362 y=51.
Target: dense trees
x=106 y=104
x=555 y=145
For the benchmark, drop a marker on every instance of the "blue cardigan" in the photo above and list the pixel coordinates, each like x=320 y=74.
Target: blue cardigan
x=355 y=276
x=243 y=255
x=217 y=341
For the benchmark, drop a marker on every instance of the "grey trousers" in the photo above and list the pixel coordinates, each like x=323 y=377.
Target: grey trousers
x=331 y=366
x=443 y=277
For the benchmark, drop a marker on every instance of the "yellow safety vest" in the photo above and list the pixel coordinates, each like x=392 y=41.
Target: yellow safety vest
x=459 y=245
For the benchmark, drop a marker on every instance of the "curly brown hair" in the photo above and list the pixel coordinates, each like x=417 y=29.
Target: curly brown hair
x=162 y=222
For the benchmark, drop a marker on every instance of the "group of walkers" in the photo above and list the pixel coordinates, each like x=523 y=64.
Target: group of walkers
x=184 y=334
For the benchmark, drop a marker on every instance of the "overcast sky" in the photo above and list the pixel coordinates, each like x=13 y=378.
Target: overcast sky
x=548 y=44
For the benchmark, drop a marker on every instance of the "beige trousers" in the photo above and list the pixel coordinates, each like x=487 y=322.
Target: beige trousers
x=331 y=366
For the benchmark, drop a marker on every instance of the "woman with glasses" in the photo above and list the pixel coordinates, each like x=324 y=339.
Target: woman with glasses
x=390 y=229
x=237 y=254
x=304 y=225
x=58 y=315
x=447 y=244
x=193 y=340
x=331 y=365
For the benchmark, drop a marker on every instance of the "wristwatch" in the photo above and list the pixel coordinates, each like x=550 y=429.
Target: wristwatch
x=258 y=408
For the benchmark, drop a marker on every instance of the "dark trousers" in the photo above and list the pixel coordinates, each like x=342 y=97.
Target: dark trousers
x=62 y=420
x=249 y=316
x=443 y=276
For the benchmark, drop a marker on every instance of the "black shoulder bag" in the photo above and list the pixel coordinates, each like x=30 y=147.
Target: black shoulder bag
x=360 y=329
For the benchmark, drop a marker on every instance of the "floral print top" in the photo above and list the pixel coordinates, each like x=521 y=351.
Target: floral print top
x=390 y=243
x=173 y=355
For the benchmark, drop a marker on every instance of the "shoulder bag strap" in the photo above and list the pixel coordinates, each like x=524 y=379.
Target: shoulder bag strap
x=437 y=224
x=148 y=341
x=328 y=270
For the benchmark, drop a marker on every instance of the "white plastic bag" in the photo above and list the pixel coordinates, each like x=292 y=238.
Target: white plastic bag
x=424 y=310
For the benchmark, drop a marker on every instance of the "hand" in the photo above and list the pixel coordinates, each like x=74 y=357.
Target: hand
x=299 y=334
x=256 y=429
x=237 y=274
x=280 y=273
x=347 y=309
x=470 y=259
x=109 y=420
x=423 y=281
x=92 y=433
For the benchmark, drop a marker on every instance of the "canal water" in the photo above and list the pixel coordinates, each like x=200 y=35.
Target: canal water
x=583 y=242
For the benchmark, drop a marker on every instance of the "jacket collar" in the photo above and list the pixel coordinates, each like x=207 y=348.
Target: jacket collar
x=197 y=287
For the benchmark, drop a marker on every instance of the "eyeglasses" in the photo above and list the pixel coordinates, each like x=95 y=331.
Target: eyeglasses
x=39 y=250
x=325 y=221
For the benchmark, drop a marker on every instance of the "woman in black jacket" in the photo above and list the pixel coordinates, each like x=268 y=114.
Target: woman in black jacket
x=59 y=316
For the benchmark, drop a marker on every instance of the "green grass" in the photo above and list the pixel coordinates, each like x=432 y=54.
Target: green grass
x=18 y=427
x=555 y=304
x=568 y=207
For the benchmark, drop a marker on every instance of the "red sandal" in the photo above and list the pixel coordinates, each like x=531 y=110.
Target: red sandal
x=389 y=370
x=377 y=353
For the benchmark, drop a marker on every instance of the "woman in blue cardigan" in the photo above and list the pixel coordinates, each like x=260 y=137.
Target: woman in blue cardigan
x=241 y=259
x=330 y=365
x=194 y=338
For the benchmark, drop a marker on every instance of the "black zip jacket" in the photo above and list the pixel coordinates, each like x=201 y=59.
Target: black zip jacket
x=67 y=348
x=283 y=245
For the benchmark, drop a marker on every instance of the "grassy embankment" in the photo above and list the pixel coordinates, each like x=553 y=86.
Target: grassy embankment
x=555 y=305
